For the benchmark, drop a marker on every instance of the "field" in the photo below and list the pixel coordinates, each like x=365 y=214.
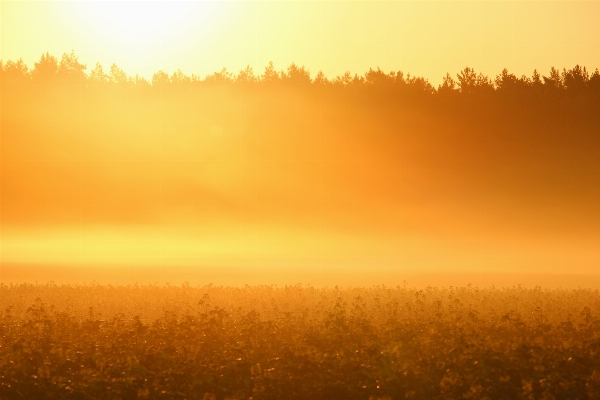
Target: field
x=297 y=342
x=133 y=177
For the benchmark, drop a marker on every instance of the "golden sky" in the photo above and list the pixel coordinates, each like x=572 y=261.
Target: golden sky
x=235 y=189
x=425 y=38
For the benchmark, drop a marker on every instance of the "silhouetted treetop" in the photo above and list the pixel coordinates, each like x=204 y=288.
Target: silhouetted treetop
x=575 y=79
x=296 y=75
x=468 y=83
x=471 y=82
x=246 y=75
x=117 y=75
x=160 y=78
x=70 y=67
x=448 y=85
x=15 y=70
x=46 y=68
x=270 y=75
x=97 y=75
x=222 y=76
x=554 y=80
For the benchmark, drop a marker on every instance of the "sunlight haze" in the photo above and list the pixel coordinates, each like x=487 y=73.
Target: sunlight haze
x=172 y=155
x=426 y=39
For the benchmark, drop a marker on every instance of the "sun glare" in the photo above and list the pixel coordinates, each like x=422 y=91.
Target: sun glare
x=144 y=32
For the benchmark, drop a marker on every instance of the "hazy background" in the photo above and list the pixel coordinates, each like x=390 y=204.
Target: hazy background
x=237 y=186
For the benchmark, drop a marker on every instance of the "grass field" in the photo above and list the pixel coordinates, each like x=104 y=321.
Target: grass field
x=295 y=342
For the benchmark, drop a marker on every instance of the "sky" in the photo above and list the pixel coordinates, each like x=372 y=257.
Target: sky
x=223 y=193
x=425 y=38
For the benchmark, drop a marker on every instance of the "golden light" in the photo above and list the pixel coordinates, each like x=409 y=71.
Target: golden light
x=145 y=32
x=261 y=181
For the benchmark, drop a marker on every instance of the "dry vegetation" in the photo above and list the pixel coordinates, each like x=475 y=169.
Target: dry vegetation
x=267 y=342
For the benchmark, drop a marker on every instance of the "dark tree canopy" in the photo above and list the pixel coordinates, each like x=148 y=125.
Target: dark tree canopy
x=469 y=93
x=577 y=81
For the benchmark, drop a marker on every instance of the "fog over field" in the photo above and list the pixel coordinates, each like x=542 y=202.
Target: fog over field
x=283 y=178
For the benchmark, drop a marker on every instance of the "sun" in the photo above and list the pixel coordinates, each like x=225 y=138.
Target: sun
x=140 y=32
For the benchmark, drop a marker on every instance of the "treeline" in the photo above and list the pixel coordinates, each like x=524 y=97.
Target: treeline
x=577 y=81
x=469 y=151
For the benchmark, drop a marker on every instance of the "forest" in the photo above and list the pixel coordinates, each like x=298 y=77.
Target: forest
x=575 y=83
x=480 y=144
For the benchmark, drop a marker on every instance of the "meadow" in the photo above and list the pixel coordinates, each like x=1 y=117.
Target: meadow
x=297 y=342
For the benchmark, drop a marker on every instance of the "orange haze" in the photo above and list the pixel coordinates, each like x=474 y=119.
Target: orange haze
x=284 y=184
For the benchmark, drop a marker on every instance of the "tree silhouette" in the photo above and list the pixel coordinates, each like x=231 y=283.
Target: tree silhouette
x=375 y=84
x=419 y=85
x=471 y=82
x=223 y=76
x=179 y=78
x=15 y=71
x=536 y=80
x=296 y=75
x=554 y=80
x=246 y=76
x=379 y=79
x=160 y=79
x=46 y=68
x=346 y=80
x=594 y=82
x=321 y=79
x=70 y=68
x=97 y=75
x=117 y=75
x=140 y=81
x=448 y=85
x=270 y=75
x=576 y=79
